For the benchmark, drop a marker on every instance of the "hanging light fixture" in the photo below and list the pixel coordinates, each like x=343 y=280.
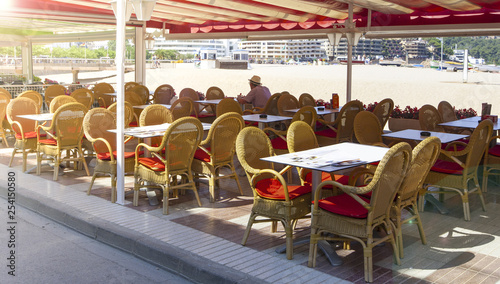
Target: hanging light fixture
x=144 y=9
x=149 y=41
x=128 y=9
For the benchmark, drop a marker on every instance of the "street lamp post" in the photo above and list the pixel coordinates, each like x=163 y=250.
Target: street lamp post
x=441 y=62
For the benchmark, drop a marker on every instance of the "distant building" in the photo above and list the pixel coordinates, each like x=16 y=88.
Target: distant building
x=192 y=47
x=284 y=49
x=416 y=49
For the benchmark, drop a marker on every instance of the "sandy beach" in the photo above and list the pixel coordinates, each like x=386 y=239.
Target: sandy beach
x=371 y=83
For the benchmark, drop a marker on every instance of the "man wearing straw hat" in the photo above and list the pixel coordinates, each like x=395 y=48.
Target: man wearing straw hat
x=258 y=95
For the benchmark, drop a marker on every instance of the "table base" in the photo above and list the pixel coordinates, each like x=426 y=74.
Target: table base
x=438 y=205
x=324 y=246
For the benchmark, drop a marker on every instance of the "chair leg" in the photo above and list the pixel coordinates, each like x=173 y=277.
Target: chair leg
x=253 y=215
x=485 y=178
x=82 y=158
x=211 y=186
x=12 y=157
x=274 y=226
x=136 y=191
x=465 y=203
x=91 y=183
x=419 y=224
x=4 y=139
x=113 y=188
x=25 y=160
x=313 y=249
x=235 y=176
x=289 y=238
x=166 y=190
x=56 y=166
x=367 y=255
x=38 y=163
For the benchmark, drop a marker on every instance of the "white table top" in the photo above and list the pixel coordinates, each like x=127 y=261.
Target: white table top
x=152 y=130
x=214 y=102
x=470 y=122
x=413 y=134
x=38 y=117
x=332 y=158
x=145 y=106
x=319 y=112
x=269 y=118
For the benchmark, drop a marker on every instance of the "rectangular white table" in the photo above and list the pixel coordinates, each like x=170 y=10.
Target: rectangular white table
x=470 y=123
x=152 y=130
x=319 y=111
x=413 y=134
x=145 y=106
x=38 y=117
x=209 y=102
x=263 y=121
x=331 y=158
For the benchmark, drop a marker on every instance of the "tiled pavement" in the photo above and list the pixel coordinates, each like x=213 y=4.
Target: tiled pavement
x=203 y=243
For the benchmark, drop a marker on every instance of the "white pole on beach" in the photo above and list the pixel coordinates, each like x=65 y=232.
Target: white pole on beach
x=120 y=110
x=466 y=65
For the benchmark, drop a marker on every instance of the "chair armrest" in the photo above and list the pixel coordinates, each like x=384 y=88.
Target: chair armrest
x=110 y=151
x=276 y=175
x=255 y=110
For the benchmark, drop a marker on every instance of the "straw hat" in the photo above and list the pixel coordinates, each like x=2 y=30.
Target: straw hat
x=255 y=80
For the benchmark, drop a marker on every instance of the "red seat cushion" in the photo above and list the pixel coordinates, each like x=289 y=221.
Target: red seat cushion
x=49 y=141
x=205 y=114
x=447 y=167
x=327 y=132
x=153 y=163
x=495 y=151
x=133 y=124
x=345 y=205
x=107 y=156
x=202 y=155
x=28 y=135
x=271 y=188
x=279 y=143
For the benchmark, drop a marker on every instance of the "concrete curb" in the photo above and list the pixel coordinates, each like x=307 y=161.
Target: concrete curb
x=169 y=257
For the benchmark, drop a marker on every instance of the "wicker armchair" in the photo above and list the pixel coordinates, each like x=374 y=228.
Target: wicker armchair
x=163 y=94
x=96 y=124
x=190 y=93
x=424 y=155
x=99 y=94
x=383 y=111
x=142 y=91
x=59 y=101
x=228 y=105
x=172 y=158
x=348 y=216
x=129 y=113
x=367 y=129
x=182 y=107
x=274 y=199
x=4 y=91
x=429 y=119
x=53 y=91
x=4 y=124
x=33 y=95
x=217 y=151
x=67 y=126
x=306 y=100
x=448 y=114
x=135 y=100
x=455 y=171
x=287 y=101
x=214 y=93
x=491 y=162
x=154 y=115
x=342 y=129
x=84 y=96
x=24 y=129
x=130 y=85
x=270 y=108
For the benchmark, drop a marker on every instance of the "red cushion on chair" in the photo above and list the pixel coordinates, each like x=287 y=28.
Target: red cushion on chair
x=495 y=151
x=133 y=124
x=279 y=143
x=153 y=163
x=27 y=135
x=107 y=156
x=447 y=167
x=205 y=114
x=271 y=188
x=327 y=132
x=345 y=205
x=202 y=155
x=49 y=141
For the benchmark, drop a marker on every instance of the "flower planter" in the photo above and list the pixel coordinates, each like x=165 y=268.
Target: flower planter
x=396 y=124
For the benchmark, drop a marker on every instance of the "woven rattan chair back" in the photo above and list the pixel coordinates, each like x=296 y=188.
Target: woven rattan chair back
x=142 y=91
x=130 y=85
x=180 y=142
x=306 y=100
x=228 y=105
x=4 y=91
x=154 y=115
x=68 y=123
x=214 y=93
x=4 y=125
x=99 y=91
x=84 y=96
x=478 y=141
x=96 y=124
x=53 y=91
x=383 y=111
x=129 y=112
x=252 y=144
x=190 y=93
x=307 y=114
x=33 y=95
x=222 y=135
x=345 y=120
x=430 y=118
x=447 y=112
x=182 y=107
x=287 y=101
x=367 y=128
x=134 y=98
x=300 y=137
x=5 y=98
x=59 y=101
x=163 y=94
x=271 y=106
x=20 y=106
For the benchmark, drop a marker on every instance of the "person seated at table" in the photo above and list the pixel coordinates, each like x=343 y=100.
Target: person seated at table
x=258 y=95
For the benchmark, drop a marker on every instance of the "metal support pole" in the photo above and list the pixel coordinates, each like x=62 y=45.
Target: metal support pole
x=120 y=98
